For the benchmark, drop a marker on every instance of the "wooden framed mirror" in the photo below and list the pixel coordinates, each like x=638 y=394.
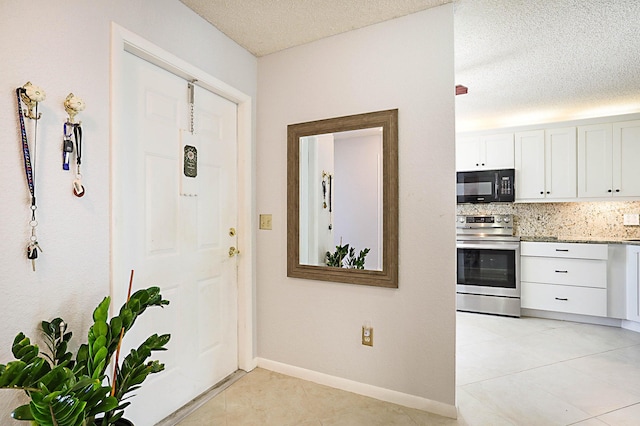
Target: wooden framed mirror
x=342 y=196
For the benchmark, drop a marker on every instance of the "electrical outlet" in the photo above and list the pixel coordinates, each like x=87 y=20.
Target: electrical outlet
x=367 y=336
x=265 y=221
x=631 y=219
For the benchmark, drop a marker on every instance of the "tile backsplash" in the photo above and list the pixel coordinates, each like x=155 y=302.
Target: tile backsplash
x=602 y=219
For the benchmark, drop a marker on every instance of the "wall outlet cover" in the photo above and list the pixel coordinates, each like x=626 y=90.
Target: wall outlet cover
x=631 y=219
x=367 y=336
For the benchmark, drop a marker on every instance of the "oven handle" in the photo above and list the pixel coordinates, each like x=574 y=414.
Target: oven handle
x=495 y=245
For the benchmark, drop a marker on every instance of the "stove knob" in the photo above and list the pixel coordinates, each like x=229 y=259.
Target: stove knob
x=498 y=219
x=461 y=219
x=506 y=219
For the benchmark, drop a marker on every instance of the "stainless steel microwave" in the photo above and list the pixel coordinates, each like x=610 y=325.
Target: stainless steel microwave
x=485 y=186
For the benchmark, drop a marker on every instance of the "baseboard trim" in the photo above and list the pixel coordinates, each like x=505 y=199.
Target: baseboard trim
x=376 y=392
x=564 y=316
x=631 y=325
x=201 y=399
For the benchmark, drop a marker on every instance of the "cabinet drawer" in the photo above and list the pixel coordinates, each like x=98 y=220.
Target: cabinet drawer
x=567 y=250
x=576 y=272
x=560 y=298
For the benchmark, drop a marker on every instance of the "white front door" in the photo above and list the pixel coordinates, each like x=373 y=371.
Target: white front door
x=174 y=231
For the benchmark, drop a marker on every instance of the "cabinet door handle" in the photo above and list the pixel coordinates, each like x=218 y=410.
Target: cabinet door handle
x=561 y=272
x=562 y=249
x=563 y=299
x=608 y=190
x=617 y=190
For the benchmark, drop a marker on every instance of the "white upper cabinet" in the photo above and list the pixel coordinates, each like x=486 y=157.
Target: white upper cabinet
x=485 y=152
x=530 y=165
x=595 y=150
x=608 y=156
x=626 y=159
x=545 y=162
x=561 y=157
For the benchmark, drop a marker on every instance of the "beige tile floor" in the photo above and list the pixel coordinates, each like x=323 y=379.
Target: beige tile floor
x=510 y=371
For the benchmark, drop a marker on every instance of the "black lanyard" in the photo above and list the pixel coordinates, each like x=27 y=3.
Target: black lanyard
x=25 y=151
x=33 y=246
x=77 y=135
x=78 y=188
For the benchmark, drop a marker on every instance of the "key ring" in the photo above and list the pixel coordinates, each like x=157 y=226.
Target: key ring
x=78 y=188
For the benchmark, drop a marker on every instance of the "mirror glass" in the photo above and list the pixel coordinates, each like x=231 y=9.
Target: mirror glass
x=342 y=199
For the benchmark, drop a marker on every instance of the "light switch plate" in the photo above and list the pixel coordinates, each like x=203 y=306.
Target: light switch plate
x=631 y=219
x=265 y=221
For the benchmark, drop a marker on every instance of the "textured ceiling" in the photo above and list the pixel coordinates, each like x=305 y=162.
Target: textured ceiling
x=267 y=26
x=524 y=61
x=537 y=61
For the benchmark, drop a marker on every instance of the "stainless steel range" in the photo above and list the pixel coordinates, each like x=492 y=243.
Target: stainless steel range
x=488 y=265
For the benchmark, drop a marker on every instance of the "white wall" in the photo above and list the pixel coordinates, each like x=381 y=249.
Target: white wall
x=64 y=47
x=407 y=64
x=357 y=191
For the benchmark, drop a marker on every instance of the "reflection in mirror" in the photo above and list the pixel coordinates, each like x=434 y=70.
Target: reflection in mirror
x=343 y=199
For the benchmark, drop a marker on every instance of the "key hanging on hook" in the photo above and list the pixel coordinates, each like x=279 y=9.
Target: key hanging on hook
x=32 y=253
x=73 y=105
x=67 y=146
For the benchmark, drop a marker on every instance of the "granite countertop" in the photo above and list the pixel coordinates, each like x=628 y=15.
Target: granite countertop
x=577 y=239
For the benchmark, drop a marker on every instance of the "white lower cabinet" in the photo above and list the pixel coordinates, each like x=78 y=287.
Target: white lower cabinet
x=633 y=283
x=551 y=270
x=564 y=277
x=565 y=298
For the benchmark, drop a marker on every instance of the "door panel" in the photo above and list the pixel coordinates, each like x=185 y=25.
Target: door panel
x=174 y=231
x=161 y=214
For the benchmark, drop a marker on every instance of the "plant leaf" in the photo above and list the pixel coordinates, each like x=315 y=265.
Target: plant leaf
x=23 y=412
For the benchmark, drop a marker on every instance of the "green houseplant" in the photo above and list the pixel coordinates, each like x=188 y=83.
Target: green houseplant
x=345 y=257
x=72 y=392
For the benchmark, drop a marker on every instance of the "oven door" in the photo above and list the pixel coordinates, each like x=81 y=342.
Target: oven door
x=488 y=268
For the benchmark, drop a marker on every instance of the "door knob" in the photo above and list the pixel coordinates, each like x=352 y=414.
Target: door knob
x=233 y=251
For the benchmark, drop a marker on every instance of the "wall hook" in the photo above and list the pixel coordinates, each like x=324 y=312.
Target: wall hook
x=31 y=95
x=73 y=105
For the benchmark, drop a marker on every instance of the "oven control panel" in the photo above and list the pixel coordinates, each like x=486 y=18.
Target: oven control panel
x=485 y=224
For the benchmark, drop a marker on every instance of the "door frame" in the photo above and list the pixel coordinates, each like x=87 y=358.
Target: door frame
x=122 y=41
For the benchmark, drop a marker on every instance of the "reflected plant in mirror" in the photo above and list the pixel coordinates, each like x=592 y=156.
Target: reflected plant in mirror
x=342 y=194
x=345 y=257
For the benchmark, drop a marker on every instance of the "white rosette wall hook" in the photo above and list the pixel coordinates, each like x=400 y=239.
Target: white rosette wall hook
x=31 y=95
x=73 y=105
